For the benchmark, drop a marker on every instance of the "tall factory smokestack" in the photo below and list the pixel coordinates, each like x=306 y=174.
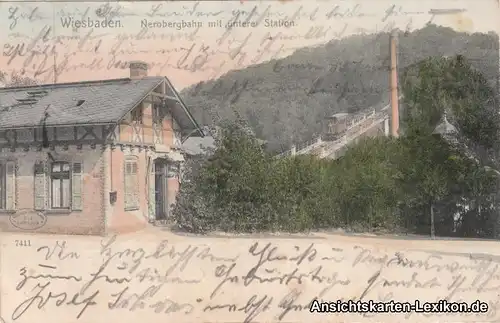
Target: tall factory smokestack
x=394 y=86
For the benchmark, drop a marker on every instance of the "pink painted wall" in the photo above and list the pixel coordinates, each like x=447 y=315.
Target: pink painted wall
x=88 y=221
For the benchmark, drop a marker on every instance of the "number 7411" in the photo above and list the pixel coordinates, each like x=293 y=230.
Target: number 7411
x=23 y=243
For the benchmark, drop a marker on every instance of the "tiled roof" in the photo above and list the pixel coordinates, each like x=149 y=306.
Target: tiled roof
x=94 y=102
x=72 y=103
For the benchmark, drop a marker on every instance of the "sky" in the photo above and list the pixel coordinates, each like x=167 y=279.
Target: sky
x=191 y=41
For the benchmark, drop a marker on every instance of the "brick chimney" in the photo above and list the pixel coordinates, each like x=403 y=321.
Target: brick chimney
x=138 y=70
x=394 y=85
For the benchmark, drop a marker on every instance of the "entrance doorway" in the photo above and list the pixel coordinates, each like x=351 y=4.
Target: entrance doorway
x=161 y=197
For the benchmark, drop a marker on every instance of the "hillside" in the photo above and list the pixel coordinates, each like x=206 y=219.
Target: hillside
x=286 y=100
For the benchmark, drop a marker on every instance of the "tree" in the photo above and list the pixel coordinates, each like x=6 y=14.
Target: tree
x=438 y=84
x=380 y=183
x=437 y=173
x=228 y=192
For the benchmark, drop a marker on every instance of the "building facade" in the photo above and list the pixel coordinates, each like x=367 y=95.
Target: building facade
x=91 y=157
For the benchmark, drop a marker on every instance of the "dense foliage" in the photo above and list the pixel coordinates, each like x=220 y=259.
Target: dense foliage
x=285 y=101
x=382 y=184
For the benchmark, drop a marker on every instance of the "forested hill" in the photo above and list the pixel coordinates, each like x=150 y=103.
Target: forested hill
x=286 y=100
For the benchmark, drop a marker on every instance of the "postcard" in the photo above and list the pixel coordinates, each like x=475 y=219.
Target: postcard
x=249 y=161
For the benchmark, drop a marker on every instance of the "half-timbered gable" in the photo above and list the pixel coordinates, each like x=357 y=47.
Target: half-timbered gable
x=103 y=154
x=161 y=118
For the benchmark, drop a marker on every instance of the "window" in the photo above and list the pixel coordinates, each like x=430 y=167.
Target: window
x=131 y=185
x=157 y=114
x=137 y=115
x=64 y=181
x=7 y=185
x=157 y=124
x=60 y=185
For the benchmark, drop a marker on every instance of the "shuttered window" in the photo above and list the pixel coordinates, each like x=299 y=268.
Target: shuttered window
x=40 y=190
x=131 y=183
x=8 y=185
x=60 y=185
x=76 y=187
x=64 y=189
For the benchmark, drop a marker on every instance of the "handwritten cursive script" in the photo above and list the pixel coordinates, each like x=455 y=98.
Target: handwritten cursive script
x=251 y=281
x=216 y=40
